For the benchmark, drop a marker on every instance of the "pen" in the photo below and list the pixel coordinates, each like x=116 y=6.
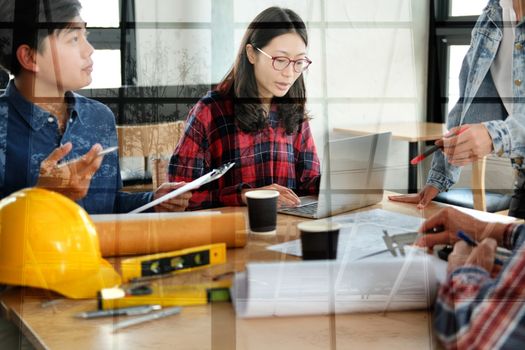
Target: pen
x=154 y=316
x=433 y=149
x=125 y=311
x=471 y=242
x=101 y=153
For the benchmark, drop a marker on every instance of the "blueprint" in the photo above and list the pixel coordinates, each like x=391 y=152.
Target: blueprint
x=361 y=233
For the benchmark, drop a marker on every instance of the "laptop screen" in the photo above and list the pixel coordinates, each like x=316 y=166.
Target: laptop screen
x=353 y=173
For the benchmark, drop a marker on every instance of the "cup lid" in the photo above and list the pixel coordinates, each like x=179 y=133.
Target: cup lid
x=262 y=194
x=318 y=226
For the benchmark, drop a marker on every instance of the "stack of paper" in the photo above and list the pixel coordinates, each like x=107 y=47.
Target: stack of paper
x=355 y=282
x=348 y=284
x=324 y=287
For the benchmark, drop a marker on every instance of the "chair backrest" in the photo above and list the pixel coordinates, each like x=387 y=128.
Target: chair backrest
x=477 y=195
x=154 y=142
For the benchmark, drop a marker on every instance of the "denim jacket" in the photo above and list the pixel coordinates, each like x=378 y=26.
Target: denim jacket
x=479 y=100
x=28 y=134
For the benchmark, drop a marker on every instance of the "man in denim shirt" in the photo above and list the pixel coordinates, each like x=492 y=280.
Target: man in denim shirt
x=42 y=122
x=492 y=90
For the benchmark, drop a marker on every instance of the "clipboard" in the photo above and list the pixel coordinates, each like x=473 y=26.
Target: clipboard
x=204 y=179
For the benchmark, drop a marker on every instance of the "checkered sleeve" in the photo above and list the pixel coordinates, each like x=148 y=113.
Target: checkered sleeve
x=307 y=165
x=192 y=158
x=475 y=311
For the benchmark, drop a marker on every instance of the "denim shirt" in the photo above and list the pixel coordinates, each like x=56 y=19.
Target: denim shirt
x=28 y=134
x=479 y=100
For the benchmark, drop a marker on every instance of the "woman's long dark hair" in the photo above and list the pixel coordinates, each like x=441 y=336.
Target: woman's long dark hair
x=240 y=80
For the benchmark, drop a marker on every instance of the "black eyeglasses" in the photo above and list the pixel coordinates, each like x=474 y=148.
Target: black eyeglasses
x=280 y=63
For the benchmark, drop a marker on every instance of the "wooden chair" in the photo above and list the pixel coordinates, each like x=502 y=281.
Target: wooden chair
x=154 y=142
x=476 y=197
x=479 y=197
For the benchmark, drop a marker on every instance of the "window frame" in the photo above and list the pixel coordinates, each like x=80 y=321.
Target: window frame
x=444 y=31
x=124 y=38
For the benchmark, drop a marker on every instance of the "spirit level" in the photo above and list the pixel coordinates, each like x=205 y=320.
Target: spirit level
x=159 y=293
x=172 y=262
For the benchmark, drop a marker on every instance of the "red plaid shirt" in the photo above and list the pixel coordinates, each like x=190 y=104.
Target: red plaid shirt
x=262 y=158
x=474 y=311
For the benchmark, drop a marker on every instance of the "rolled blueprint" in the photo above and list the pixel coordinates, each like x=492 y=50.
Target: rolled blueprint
x=325 y=287
x=133 y=234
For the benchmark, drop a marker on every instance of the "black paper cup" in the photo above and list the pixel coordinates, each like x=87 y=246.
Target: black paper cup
x=319 y=239
x=262 y=210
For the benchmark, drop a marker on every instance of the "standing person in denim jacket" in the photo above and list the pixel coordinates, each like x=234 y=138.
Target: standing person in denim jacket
x=492 y=104
x=42 y=122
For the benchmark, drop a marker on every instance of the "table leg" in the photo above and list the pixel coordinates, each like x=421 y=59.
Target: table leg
x=412 y=169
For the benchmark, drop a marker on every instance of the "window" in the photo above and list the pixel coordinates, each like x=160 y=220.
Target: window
x=107 y=69
x=467 y=7
x=456 y=55
x=451 y=26
x=178 y=33
x=106 y=60
x=101 y=13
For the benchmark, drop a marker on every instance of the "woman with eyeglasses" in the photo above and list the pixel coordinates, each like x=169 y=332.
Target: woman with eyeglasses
x=256 y=118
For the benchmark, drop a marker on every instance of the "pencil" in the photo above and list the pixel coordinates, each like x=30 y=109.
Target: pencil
x=147 y=318
x=433 y=149
x=73 y=161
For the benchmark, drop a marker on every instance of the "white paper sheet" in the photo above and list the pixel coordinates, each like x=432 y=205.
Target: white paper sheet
x=148 y=216
x=324 y=287
x=361 y=233
x=195 y=184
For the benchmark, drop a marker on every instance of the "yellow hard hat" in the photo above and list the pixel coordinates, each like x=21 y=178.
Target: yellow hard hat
x=48 y=241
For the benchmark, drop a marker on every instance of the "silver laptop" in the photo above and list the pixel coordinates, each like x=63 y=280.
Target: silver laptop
x=352 y=177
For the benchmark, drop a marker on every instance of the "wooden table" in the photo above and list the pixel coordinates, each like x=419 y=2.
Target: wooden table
x=215 y=326
x=413 y=133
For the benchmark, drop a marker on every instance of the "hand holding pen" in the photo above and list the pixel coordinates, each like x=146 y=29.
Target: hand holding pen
x=440 y=144
x=468 y=145
x=441 y=228
x=72 y=181
x=77 y=160
x=468 y=252
x=473 y=243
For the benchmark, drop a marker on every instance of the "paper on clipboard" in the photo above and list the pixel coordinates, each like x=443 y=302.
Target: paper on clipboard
x=204 y=179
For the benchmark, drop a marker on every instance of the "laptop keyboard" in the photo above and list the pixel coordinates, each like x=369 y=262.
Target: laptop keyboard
x=308 y=209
